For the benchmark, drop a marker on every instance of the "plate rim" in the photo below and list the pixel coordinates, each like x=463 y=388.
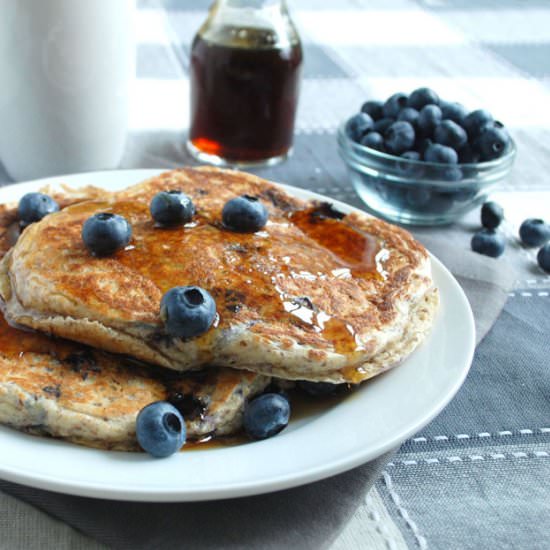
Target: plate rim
x=252 y=487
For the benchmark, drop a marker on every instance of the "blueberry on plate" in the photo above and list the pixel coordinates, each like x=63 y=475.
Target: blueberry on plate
x=422 y=97
x=373 y=109
x=373 y=140
x=160 y=429
x=488 y=242
x=475 y=121
x=492 y=215
x=399 y=137
x=543 y=258
x=34 y=206
x=358 y=125
x=244 y=214
x=320 y=389
x=408 y=114
x=187 y=311
x=394 y=104
x=492 y=142
x=382 y=125
x=440 y=154
x=453 y=111
x=429 y=117
x=534 y=232
x=451 y=134
x=105 y=233
x=169 y=208
x=266 y=415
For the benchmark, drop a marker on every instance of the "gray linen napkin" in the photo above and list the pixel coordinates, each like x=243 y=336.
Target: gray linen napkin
x=486 y=281
x=305 y=517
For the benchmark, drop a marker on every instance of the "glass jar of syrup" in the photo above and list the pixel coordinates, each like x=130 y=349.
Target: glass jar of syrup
x=245 y=74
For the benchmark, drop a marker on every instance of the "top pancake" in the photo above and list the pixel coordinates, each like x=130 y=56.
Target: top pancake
x=315 y=295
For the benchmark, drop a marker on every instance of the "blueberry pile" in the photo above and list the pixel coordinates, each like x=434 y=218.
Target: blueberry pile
x=533 y=233
x=423 y=127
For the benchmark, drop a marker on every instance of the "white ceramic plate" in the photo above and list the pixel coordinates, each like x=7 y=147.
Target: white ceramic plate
x=383 y=413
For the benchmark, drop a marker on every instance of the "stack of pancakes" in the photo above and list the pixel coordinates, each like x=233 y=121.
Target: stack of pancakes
x=315 y=295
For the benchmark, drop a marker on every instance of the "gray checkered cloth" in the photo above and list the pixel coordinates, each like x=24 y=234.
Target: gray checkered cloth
x=479 y=475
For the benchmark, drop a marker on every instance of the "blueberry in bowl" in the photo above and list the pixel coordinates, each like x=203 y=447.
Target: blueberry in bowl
x=425 y=160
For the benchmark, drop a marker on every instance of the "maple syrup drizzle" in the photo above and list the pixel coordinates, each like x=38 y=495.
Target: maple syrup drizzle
x=261 y=271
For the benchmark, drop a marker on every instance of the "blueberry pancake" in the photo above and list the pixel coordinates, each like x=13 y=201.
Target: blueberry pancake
x=314 y=294
x=64 y=389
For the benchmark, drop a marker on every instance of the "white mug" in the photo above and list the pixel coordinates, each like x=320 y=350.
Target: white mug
x=66 y=67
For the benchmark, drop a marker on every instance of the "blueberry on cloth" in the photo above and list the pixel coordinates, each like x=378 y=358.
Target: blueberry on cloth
x=169 y=208
x=244 y=214
x=492 y=215
x=399 y=137
x=422 y=97
x=266 y=415
x=187 y=311
x=34 y=206
x=543 y=257
x=105 y=233
x=160 y=429
x=488 y=242
x=534 y=232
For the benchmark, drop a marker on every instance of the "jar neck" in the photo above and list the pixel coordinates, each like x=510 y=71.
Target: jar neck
x=269 y=20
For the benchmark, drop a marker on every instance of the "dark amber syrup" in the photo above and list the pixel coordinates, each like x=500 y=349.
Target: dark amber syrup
x=243 y=99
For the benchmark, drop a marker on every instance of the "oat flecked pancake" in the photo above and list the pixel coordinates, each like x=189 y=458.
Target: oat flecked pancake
x=314 y=295
x=67 y=390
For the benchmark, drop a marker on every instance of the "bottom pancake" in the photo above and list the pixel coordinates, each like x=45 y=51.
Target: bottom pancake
x=93 y=399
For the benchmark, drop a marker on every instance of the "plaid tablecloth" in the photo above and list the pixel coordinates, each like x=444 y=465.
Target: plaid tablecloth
x=479 y=475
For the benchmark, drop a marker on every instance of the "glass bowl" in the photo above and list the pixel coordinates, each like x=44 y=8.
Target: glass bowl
x=416 y=192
